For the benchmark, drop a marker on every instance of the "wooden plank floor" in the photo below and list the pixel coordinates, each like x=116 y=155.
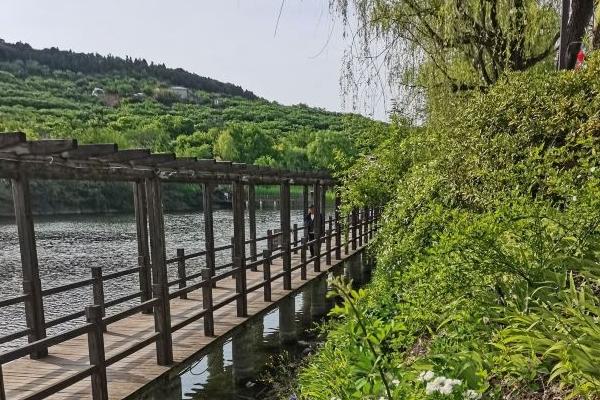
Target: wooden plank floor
x=24 y=376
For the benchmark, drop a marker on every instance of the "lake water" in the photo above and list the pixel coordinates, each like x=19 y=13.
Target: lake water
x=68 y=246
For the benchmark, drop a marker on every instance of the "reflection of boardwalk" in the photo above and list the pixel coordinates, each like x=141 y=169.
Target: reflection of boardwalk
x=24 y=377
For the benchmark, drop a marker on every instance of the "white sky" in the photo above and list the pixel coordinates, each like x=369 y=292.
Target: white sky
x=228 y=40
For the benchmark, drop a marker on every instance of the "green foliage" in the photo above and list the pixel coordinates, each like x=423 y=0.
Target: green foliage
x=488 y=254
x=138 y=110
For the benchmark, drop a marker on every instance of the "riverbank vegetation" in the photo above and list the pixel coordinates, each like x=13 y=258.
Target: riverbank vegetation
x=488 y=256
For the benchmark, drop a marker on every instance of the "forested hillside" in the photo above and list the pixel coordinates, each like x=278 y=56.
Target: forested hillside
x=95 y=99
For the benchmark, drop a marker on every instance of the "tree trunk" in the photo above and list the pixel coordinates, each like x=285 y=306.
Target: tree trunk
x=596 y=37
x=581 y=13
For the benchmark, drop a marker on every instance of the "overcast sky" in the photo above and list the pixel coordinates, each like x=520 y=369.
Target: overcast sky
x=229 y=40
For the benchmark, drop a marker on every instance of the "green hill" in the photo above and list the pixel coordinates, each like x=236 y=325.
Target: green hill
x=52 y=93
x=96 y=99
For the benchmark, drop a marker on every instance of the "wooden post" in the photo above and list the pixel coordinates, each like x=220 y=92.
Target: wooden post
x=360 y=227
x=270 y=240
x=317 y=227
x=98 y=291
x=2 y=391
x=338 y=226
x=323 y=211
x=209 y=237
x=239 y=248
x=328 y=246
x=32 y=285
x=305 y=195
x=366 y=224
x=181 y=274
x=267 y=274
x=252 y=223
x=371 y=222
x=160 y=288
x=141 y=226
x=347 y=234
x=295 y=235
x=303 y=259
x=354 y=228
x=207 y=302
x=93 y=315
x=285 y=234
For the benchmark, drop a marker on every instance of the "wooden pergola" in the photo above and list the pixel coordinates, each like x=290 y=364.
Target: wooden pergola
x=64 y=159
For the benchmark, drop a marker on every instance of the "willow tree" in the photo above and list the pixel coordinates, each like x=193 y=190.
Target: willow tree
x=455 y=45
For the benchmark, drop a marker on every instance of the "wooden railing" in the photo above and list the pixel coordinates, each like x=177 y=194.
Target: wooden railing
x=336 y=234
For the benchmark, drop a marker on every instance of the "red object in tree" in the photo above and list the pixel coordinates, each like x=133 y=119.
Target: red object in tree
x=580 y=59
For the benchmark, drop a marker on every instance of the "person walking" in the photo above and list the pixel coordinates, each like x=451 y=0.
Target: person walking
x=309 y=223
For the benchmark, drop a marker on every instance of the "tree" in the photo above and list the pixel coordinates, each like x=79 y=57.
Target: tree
x=225 y=147
x=455 y=44
x=579 y=14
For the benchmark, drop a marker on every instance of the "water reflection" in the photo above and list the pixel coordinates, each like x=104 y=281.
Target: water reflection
x=213 y=376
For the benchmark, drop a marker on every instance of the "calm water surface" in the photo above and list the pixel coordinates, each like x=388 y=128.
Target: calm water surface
x=68 y=246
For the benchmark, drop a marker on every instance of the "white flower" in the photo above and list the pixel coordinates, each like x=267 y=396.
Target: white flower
x=448 y=385
x=426 y=376
x=395 y=382
x=435 y=385
x=472 y=395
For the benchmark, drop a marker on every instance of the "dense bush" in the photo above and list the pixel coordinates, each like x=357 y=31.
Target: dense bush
x=489 y=253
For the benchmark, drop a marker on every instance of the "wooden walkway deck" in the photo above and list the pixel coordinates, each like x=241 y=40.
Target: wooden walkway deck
x=24 y=377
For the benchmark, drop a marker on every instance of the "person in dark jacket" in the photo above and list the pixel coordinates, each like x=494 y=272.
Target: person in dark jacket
x=309 y=223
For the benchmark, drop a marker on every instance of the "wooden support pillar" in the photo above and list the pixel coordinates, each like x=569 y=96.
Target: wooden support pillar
x=141 y=226
x=32 y=285
x=242 y=346
x=306 y=306
x=287 y=320
x=318 y=303
x=285 y=234
x=252 y=223
x=239 y=248
x=93 y=315
x=209 y=237
x=215 y=362
x=160 y=288
x=338 y=226
x=317 y=227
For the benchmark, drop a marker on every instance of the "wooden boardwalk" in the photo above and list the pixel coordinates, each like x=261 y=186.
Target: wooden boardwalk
x=26 y=377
